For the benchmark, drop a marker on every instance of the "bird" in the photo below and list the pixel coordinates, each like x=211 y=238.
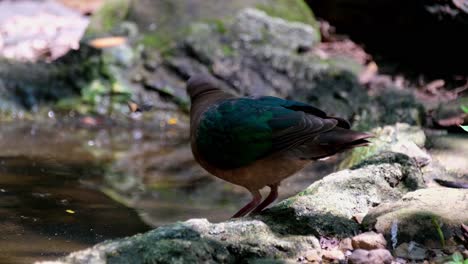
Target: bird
x=258 y=141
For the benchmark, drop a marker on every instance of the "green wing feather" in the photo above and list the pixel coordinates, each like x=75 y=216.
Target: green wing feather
x=240 y=131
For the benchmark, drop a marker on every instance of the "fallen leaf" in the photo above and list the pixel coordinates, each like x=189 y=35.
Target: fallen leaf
x=172 y=121
x=107 y=42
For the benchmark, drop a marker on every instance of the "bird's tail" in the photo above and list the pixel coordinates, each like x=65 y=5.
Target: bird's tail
x=342 y=139
x=334 y=141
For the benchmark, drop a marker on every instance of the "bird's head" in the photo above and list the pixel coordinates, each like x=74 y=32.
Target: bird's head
x=200 y=84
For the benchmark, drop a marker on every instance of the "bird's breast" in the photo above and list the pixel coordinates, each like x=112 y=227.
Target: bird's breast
x=263 y=172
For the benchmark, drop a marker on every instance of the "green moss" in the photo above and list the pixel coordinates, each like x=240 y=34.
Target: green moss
x=343 y=63
x=218 y=24
x=108 y=16
x=227 y=50
x=296 y=10
x=157 y=41
x=357 y=155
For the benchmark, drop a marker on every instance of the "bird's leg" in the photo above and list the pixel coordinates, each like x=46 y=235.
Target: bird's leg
x=270 y=198
x=256 y=199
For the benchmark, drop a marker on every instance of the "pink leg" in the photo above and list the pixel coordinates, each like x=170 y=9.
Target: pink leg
x=256 y=199
x=270 y=198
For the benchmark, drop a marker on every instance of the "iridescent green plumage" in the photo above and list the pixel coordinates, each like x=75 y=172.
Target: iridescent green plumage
x=236 y=132
x=259 y=141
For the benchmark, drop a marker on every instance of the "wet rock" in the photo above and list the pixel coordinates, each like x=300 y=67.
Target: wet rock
x=418 y=215
x=327 y=206
x=369 y=240
x=411 y=251
x=361 y=256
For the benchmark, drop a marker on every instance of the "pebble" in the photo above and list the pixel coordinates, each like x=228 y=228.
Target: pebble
x=412 y=251
x=376 y=256
x=369 y=240
x=333 y=255
x=346 y=244
x=313 y=256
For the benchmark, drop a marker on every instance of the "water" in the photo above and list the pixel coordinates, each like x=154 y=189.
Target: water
x=69 y=183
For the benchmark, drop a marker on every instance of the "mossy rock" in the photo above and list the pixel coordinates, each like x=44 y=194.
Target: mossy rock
x=107 y=17
x=400 y=138
x=164 y=22
x=420 y=215
x=327 y=207
x=199 y=241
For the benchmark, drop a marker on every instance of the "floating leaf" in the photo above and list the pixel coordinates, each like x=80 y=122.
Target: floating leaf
x=172 y=121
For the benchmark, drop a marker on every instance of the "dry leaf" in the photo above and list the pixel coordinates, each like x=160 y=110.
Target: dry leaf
x=107 y=42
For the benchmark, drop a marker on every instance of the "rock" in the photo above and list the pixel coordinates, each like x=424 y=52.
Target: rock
x=165 y=22
x=451 y=150
x=198 y=240
x=400 y=138
x=333 y=255
x=346 y=244
x=393 y=106
x=327 y=206
x=252 y=51
x=258 y=55
x=376 y=256
x=450 y=115
x=411 y=251
x=415 y=215
x=359 y=217
x=253 y=27
x=313 y=256
x=369 y=240
x=43 y=83
x=107 y=18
